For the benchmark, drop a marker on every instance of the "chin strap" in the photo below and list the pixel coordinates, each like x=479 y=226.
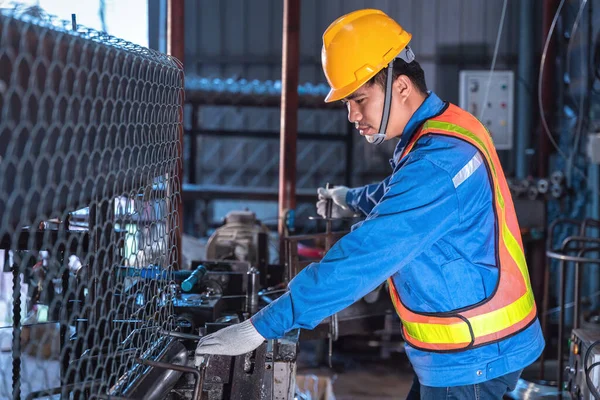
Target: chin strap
x=408 y=56
x=378 y=138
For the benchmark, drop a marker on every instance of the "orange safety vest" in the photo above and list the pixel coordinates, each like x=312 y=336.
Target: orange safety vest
x=511 y=307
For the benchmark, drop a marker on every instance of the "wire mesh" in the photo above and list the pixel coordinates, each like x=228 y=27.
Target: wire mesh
x=90 y=165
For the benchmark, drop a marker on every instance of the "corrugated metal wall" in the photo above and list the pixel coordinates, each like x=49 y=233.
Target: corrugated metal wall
x=242 y=39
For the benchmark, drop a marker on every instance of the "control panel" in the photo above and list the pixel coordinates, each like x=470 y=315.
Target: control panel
x=584 y=375
x=494 y=110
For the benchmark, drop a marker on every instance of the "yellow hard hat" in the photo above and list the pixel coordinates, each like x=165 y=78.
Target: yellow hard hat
x=356 y=47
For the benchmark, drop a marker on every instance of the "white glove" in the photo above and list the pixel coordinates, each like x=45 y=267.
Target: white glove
x=234 y=340
x=340 y=208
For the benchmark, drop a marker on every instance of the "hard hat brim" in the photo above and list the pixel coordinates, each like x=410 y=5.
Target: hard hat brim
x=339 y=94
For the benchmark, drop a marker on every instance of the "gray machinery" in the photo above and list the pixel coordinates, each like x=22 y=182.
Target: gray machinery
x=584 y=365
x=209 y=297
x=237 y=239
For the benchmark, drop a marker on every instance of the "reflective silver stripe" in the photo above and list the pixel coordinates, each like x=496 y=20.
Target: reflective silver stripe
x=467 y=170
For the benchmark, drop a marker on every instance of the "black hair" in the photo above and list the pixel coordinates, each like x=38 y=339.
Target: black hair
x=412 y=70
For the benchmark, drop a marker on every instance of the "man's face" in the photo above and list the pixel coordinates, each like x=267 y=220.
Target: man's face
x=365 y=108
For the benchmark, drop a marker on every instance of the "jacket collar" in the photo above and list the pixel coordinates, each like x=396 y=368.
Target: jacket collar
x=431 y=107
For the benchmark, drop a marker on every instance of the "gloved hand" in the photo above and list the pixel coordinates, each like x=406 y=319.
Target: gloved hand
x=231 y=341
x=340 y=208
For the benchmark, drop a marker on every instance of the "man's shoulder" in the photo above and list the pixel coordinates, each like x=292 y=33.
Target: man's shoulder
x=446 y=152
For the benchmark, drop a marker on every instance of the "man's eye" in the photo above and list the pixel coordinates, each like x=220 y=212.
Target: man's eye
x=360 y=100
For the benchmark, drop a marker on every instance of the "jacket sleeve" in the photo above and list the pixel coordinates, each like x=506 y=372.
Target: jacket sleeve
x=363 y=199
x=414 y=212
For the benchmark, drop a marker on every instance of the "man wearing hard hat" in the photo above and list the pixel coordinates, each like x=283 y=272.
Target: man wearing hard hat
x=441 y=229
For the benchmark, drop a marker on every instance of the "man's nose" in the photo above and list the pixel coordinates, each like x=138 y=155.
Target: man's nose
x=353 y=114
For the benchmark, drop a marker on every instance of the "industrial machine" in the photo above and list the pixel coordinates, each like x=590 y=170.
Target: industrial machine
x=211 y=296
x=584 y=362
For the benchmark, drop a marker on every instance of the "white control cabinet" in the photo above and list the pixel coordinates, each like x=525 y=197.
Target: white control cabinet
x=495 y=112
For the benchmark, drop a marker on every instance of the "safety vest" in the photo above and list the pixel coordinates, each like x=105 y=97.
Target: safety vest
x=511 y=307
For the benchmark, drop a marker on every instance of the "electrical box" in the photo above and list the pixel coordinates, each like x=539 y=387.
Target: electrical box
x=495 y=110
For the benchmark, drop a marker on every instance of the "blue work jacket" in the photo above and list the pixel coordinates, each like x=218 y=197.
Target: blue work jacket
x=431 y=228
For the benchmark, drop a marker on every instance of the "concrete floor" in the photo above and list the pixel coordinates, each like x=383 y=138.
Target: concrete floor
x=360 y=375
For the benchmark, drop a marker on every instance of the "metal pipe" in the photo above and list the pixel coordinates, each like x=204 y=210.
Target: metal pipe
x=176 y=48
x=58 y=390
x=252 y=291
x=289 y=114
x=328 y=216
x=549 y=8
x=561 y=318
x=349 y=155
x=179 y=368
x=524 y=93
x=593 y=277
x=179 y=335
x=16 y=333
x=194 y=279
x=546 y=283
x=149 y=383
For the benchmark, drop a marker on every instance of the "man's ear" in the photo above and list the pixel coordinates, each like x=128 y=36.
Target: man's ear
x=402 y=87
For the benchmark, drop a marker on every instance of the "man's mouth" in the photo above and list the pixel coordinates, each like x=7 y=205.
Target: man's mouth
x=364 y=129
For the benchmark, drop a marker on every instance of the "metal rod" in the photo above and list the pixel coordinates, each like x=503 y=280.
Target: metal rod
x=16 y=342
x=270 y=292
x=176 y=48
x=349 y=155
x=298 y=238
x=561 y=316
x=193 y=143
x=563 y=257
x=57 y=390
x=328 y=216
x=199 y=376
x=549 y=8
x=253 y=276
x=524 y=95
x=576 y=294
x=546 y=284
x=289 y=113
x=180 y=335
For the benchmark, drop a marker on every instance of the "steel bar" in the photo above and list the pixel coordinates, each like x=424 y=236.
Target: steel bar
x=289 y=113
x=176 y=48
x=198 y=374
x=16 y=333
x=180 y=335
x=549 y=8
x=57 y=390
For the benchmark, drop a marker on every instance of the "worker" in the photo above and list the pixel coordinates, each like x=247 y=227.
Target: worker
x=441 y=229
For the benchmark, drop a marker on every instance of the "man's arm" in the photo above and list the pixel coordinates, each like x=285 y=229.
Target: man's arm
x=418 y=206
x=363 y=199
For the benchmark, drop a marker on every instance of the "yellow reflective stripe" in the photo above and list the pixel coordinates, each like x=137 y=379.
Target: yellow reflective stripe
x=503 y=318
x=511 y=243
x=493 y=321
x=516 y=253
x=485 y=324
x=446 y=126
x=438 y=333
